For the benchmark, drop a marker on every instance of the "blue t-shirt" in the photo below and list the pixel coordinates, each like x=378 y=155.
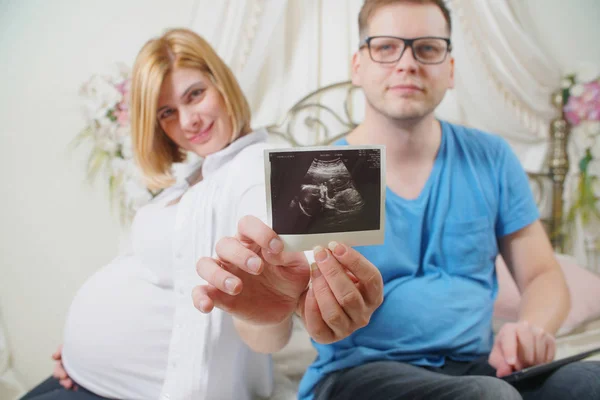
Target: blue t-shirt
x=437 y=260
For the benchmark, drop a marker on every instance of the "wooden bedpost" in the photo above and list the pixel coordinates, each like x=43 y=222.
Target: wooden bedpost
x=558 y=169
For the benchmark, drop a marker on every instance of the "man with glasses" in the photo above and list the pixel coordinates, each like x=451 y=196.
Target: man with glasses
x=456 y=197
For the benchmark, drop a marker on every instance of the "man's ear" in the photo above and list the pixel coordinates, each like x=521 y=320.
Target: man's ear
x=451 y=82
x=355 y=68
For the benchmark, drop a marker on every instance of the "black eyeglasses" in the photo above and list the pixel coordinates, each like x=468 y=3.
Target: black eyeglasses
x=389 y=49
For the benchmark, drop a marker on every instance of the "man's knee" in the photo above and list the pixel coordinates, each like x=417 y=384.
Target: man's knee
x=488 y=388
x=575 y=380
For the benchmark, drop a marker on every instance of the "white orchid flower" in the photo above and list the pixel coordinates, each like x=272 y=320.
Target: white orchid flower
x=577 y=90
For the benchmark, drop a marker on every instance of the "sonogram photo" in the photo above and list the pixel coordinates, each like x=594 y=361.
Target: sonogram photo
x=325 y=191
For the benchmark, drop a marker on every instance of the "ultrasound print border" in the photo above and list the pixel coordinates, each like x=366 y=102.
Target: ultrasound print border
x=305 y=242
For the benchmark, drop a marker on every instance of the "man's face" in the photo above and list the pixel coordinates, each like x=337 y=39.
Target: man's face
x=406 y=89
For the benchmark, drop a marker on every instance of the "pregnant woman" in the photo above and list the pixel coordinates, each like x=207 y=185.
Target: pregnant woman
x=132 y=331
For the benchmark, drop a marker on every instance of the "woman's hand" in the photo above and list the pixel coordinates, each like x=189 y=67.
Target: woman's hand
x=258 y=283
x=252 y=279
x=59 y=371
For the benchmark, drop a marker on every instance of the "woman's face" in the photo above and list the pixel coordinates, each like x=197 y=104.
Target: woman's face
x=192 y=112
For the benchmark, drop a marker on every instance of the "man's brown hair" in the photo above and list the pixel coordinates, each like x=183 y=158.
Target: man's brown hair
x=370 y=6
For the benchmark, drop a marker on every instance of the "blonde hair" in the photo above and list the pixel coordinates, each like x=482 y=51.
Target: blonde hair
x=370 y=6
x=154 y=151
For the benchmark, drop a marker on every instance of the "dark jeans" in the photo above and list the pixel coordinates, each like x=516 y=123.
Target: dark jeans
x=50 y=389
x=391 y=380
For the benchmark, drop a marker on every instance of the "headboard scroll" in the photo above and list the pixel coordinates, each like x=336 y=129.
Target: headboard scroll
x=321 y=117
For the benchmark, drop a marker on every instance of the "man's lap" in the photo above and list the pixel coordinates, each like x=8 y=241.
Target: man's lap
x=394 y=380
x=579 y=380
x=390 y=380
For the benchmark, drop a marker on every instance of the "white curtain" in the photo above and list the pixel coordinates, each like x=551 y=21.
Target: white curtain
x=504 y=80
x=311 y=48
x=243 y=34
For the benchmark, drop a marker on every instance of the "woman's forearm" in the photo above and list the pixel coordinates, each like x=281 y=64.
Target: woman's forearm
x=265 y=339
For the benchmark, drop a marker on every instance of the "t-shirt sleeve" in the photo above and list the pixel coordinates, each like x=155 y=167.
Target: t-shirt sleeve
x=516 y=206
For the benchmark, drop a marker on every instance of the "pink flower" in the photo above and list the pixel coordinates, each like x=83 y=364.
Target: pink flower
x=574 y=110
x=123 y=87
x=121 y=112
x=585 y=107
x=123 y=118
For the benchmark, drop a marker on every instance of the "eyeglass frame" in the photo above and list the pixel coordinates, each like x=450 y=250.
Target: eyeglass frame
x=407 y=43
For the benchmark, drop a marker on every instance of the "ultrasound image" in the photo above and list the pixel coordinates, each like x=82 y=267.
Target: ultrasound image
x=325 y=191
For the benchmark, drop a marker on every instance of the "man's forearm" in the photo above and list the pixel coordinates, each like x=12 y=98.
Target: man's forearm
x=265 y=339
x=546 y=301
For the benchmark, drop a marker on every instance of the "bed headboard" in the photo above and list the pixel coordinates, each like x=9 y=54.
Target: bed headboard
x=331 y=112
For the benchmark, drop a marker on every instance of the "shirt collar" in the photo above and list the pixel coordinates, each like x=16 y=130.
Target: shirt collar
x=214 y=161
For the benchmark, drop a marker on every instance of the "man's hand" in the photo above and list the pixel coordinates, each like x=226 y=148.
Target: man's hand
x=521 y=345
x=258 y=283
x=345 y=291
x=59 y=371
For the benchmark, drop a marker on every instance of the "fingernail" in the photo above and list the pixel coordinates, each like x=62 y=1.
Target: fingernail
x=315 y=272
x=276 y=245
x=320 y=254
x=204 y=306
x=230 y=285
x=511 y=361
x=253 y=264
x=337 y=249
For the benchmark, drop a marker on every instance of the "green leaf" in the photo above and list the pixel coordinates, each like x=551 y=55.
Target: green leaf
x=585 y=161
x=82 y=136
x=110 y=114
x=565 y=96
x=96 y=161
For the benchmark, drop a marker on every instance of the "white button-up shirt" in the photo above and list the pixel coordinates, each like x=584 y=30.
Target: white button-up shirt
x=207 y=359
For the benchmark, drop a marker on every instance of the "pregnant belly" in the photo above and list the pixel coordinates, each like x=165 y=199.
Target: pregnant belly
x=118 y=331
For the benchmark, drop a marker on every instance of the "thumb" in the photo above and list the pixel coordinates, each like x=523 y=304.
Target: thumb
x=302 y=305
x=57 y=354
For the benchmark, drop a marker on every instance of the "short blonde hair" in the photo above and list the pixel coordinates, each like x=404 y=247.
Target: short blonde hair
x=370 y=6
x=154 y=151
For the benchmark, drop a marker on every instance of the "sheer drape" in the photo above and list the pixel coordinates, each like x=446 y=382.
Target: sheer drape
x=504 y=79
x=242 y=32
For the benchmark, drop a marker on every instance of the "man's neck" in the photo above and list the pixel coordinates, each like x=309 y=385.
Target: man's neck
x=411 y=149
x=407 y=142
